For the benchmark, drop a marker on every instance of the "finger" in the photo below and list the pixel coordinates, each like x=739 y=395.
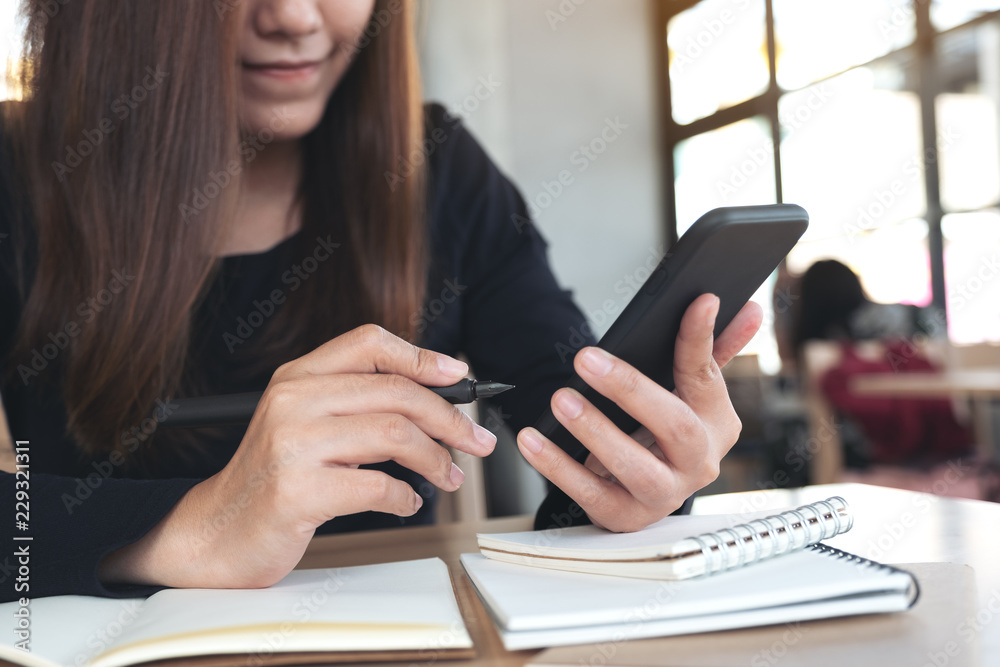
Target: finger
x=376 y=438
x=676 y=427
x=633 y=465
x=342 y=395
x=607 y=503
x=372 y=349
x=594 y=465
x=696 y=374
x=359 y=490
x=738 y=333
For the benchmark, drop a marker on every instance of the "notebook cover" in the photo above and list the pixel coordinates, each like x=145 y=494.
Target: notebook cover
x=931 y=630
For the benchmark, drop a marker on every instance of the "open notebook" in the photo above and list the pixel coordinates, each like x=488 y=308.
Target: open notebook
x=677 y=547
x=534 y=607
x=394 y=611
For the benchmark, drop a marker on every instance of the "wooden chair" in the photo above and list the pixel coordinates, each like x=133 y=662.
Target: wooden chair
x=983 y=412
x=824 y=447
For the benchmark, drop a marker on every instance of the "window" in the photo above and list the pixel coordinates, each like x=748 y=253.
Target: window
x=880 y=117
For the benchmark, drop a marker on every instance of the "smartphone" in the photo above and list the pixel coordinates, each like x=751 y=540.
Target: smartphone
x=728 y=252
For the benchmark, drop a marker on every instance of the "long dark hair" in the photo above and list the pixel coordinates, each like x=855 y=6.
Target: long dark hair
x=830 y=293
x=111 y=211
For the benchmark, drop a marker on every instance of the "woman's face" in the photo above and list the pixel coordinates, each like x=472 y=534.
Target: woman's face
x=292 y=55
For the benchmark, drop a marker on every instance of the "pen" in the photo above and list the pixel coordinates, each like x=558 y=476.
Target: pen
x=235 y=409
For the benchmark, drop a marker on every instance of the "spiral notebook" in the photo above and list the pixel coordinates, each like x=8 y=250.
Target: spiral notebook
x=534 y=607
x=678 y=547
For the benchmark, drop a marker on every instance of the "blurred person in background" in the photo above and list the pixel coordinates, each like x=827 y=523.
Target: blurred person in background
x=918 y=432
x=832 y=305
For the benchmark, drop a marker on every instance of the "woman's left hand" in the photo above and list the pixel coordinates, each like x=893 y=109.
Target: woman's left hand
x=631 y=481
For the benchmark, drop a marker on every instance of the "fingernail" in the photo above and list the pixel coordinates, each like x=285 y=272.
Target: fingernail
x=569 y=403
x=456 y=476
x=713 y=312
x=484 y=437
x=418 y=501
x=531 y=441
x=597 y=361
x=452 y=367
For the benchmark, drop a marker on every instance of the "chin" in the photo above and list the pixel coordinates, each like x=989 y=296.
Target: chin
x=282 y=122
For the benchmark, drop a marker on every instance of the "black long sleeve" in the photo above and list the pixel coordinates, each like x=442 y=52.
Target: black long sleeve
x=73 y=524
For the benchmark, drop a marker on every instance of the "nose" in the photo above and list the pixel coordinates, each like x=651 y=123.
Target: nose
x=291 y=18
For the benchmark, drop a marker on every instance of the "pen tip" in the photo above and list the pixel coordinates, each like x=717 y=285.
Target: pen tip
x=487 y=389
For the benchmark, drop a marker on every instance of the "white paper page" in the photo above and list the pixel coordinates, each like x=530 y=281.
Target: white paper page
x=515 y=641
x=527 y=598
x=69 y=629
x=405 y=605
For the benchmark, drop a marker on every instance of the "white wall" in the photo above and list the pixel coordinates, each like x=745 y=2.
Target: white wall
x=564 y=71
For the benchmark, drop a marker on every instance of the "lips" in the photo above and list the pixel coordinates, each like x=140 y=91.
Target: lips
x=285 y=69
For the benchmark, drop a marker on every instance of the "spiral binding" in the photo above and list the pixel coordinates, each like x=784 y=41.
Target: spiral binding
x=729 y=547
x=860 y=561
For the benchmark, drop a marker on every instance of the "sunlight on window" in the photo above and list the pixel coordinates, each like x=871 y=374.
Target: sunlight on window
x=851 y=157
x=719 y=41
x=969 y=118
x=972 y=274
x=853 y=32
x=950 y=13
x=731 y=166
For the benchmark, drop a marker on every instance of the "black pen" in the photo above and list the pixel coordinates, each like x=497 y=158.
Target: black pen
x=236 y=409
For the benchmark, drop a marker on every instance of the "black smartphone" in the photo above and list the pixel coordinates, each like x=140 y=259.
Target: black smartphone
x=728 y=252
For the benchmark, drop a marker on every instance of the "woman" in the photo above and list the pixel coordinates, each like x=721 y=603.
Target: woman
x=833 y=306
x=305 y=185
x=912 y=431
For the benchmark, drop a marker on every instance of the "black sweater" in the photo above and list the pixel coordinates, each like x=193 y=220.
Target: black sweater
x=492 y=296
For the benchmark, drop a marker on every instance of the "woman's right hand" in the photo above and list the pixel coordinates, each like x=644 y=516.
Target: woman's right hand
x=357 y=399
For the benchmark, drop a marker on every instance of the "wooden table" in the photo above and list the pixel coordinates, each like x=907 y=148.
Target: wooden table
x=936 y=530
x=977 y=383
x=981 y=385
